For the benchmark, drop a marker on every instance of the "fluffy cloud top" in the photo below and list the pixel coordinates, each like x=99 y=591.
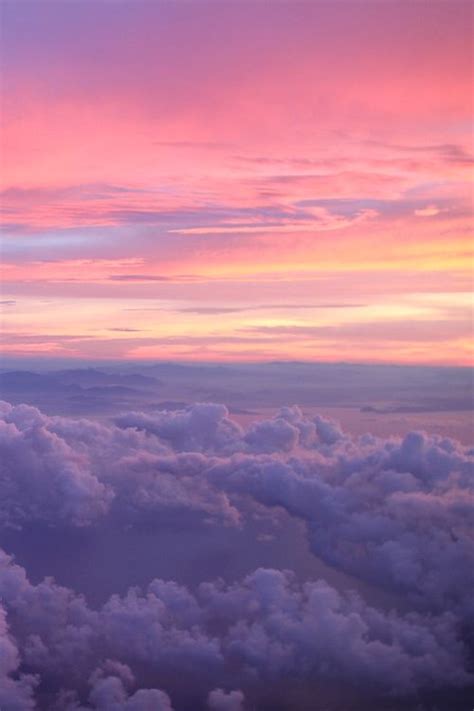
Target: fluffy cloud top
x=268 y=625
x=219 y=700
x=43 y=478
x=395 y=513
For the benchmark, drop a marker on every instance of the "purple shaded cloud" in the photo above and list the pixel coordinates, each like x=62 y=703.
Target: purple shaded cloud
x=268 y=625
x=219 y=700
x=41 y=477
x=395 y=513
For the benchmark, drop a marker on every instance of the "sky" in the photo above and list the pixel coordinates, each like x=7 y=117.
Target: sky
x=237 y=181
x=212 y=211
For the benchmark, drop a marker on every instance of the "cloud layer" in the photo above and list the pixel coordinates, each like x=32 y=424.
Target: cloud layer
x=393 y=513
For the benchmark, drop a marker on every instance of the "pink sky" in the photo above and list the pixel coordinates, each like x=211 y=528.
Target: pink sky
x=243 y=181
